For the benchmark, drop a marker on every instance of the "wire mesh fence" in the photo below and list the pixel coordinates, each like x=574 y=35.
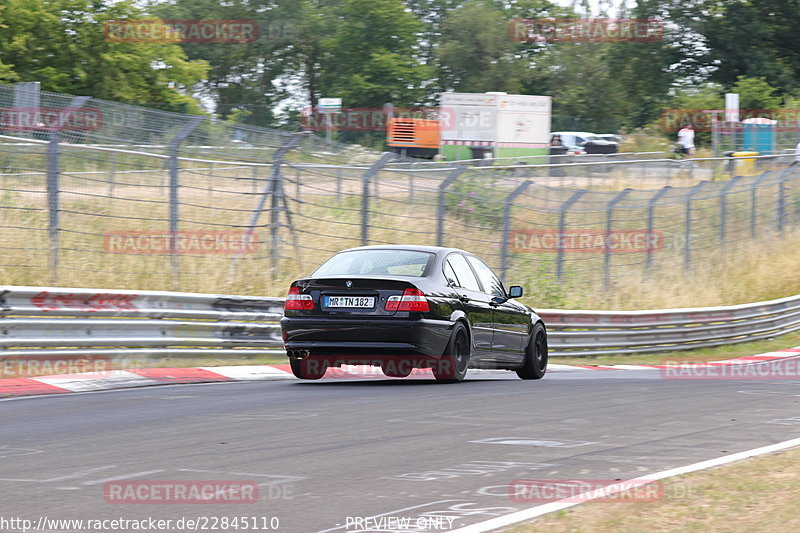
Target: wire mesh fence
x=183 y=207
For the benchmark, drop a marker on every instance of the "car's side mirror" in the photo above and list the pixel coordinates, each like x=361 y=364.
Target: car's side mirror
x=514 y=291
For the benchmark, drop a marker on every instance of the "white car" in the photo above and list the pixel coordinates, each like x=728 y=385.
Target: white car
x=583 y=142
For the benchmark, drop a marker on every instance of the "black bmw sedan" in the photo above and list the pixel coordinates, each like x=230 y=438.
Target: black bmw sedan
x=404 y=307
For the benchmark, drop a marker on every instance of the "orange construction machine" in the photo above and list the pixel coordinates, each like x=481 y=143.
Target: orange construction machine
x=414 y=137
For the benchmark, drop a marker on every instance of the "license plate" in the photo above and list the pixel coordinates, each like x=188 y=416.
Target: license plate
x=350 y=301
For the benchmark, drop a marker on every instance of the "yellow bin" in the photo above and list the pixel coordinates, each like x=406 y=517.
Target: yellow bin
x=747 y=165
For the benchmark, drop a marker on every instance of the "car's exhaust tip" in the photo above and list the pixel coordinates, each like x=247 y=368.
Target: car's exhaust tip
x=298 y=354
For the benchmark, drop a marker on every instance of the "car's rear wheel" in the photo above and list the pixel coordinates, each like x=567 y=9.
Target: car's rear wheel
x=453 y=365
x=308 y=368
x=535 y=364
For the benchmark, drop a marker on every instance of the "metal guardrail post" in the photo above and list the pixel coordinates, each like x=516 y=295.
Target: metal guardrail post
x=723 y=209
x=440 y=210
x=562 y=223
x=187 y=129
x=754 y=203
x=53 y=171
x=651 y=205
x=368 y=175
x=687 y=245
x=507 y=203
x=609 y=219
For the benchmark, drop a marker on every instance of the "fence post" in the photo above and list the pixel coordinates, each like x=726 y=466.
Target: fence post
x=562 y=223
x=440 y=210
x=651 y=206
x=297 y=186
x=609 y=219
x=338 y=184
x=188 y=128
x=368 y=175
x=507 y=203
x=269 y=191
x=52 y=204
x=781 y=199
x=754 y=201
x=723 y=209
x=687 y=245
x=111 y=172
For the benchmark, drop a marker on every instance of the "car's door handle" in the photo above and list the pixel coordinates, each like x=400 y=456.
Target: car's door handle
x=463 y=298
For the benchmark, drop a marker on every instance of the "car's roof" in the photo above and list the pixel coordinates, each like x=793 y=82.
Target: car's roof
x=415 y=247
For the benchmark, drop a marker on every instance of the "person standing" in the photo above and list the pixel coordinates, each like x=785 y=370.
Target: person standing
x=686 y=140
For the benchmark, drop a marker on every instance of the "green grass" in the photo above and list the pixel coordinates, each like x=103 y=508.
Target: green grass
x=752 y=496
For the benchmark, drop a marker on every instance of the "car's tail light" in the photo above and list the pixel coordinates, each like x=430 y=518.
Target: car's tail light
x=298 y=302
x=412 y=300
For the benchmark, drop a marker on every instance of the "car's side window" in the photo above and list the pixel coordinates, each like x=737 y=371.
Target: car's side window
x=466 y=279
x=450 y=275
x=491 y=283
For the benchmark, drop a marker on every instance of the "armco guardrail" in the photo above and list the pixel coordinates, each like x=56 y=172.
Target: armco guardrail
x=122 y=322
x=47 y=321
x=583 y=333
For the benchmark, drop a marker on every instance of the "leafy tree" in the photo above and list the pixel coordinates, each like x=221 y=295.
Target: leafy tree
x=241 y=75
x=61 y=43
x=476 y=53
x=371 y=58
x=755 y=93
x=754 y=38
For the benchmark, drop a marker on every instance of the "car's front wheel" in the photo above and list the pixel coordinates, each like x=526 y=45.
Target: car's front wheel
x=308 y=368
x=453 y=365
x=535 y=364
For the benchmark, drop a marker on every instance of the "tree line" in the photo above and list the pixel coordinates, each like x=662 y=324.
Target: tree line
x=369 y=52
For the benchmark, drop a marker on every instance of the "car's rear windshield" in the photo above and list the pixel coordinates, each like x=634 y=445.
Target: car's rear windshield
x=409 y=263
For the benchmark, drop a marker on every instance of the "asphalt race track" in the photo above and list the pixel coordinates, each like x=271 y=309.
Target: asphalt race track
x=321 y=452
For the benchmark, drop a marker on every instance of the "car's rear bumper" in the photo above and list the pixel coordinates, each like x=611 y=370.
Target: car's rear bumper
x=366 y=338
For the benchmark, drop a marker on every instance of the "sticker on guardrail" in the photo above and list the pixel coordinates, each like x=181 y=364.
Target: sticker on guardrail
x=101 y=301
